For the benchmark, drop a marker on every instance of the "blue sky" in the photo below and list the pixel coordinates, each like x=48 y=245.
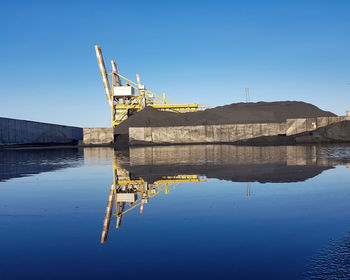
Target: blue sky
x=195 y=51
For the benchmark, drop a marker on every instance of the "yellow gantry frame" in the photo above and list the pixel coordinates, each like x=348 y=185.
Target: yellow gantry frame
x=120 y=112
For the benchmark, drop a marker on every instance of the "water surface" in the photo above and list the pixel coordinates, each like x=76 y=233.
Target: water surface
x=190 y=212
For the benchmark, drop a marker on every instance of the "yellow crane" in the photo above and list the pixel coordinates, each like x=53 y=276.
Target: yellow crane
x=126 y=97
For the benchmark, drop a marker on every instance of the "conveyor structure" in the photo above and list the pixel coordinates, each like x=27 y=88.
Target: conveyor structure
x=126 y=97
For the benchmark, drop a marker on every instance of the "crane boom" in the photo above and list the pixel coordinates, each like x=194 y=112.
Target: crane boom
x=101 y=65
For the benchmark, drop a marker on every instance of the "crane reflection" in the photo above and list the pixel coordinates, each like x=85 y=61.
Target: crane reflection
x=128 y=193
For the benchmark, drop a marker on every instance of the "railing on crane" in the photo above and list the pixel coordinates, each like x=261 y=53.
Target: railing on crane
x=127 y=103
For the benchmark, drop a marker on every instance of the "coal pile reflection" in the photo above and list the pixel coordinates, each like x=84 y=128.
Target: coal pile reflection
x=139 y=174
x=276 y=164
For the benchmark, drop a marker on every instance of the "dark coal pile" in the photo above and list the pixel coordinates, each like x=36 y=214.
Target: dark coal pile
x=229 y=114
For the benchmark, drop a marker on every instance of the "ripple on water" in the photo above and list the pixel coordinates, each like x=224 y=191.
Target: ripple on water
x=341 y=152
x=333 y=262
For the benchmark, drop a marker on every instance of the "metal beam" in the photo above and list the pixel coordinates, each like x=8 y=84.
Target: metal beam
x=115 y=73
x=101 y=65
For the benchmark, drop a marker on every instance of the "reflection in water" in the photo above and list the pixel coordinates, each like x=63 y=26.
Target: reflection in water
x=129 y=192
x=19 y=163
x=48 y=222
x=248 y=189
x=234 y=163
x=141 y=173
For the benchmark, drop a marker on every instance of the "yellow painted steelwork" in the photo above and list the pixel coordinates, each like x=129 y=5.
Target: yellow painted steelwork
x=124 y=106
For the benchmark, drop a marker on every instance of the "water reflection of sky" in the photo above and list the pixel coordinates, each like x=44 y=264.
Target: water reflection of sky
x=50 y=225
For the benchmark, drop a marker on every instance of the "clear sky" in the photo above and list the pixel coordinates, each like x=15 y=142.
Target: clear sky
x=195 y=51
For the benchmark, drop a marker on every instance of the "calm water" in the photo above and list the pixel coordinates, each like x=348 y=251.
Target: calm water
x=182 y=212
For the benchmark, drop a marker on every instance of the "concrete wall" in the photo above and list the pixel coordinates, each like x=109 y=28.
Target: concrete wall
x=227 y=133
x=17 y=132
x=295 y=126
x=98 y=136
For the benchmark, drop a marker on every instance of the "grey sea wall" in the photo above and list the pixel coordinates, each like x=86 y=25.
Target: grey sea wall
x=228 y=133
x=98 y=136
x=22 y=132
x=295 y=126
